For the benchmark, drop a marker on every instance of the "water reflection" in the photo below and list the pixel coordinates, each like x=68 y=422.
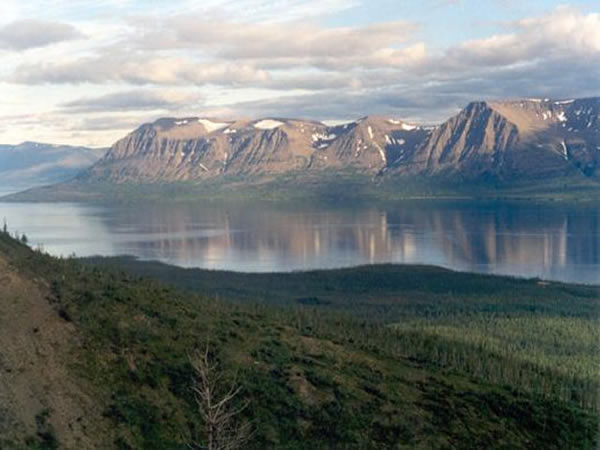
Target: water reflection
x=554 y=242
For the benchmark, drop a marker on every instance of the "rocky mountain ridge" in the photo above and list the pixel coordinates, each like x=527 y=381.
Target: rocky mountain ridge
x=503 y=140
x=197 y=148
x=520 y=138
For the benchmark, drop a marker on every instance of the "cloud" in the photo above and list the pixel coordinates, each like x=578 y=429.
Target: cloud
x=252 y=40
x=395 y=101
x=181 y=50
x=564 y=34
x=314 y=81
x=228 y=54
x=26 y=34
x=268 y=11
x=134 y=100
x=297 y=44
x=110 y=123
x=137 y=70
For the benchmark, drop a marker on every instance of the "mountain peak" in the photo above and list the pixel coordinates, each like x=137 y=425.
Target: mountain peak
x=32 y=163
x=34 y=144
x=508 y=139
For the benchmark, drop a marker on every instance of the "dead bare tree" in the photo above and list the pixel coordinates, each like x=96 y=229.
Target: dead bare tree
x=224 y=430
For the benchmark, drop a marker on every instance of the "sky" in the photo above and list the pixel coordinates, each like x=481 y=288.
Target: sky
x=88 y=72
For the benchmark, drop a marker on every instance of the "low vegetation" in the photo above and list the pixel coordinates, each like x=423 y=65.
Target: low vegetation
x=540 y=336
x=376 y=357
x=327 y=186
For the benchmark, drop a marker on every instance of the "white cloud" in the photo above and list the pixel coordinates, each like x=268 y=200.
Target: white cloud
x=135 y=100
x=26 y=34
x=229 y=54
x=137 y=70
x=264 y=11
x=249 y=41
x=564 y=33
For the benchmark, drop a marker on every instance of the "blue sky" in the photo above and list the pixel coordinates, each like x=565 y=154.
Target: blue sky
x=86 y=72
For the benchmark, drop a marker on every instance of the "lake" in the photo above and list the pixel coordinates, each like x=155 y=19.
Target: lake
x=555 y=242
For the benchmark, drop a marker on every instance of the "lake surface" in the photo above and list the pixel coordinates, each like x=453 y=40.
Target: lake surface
x=554 y=242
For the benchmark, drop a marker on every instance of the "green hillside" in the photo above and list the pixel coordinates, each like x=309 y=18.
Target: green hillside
x=429 y=369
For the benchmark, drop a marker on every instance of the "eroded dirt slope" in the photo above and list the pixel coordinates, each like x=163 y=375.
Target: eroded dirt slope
x=41 y=400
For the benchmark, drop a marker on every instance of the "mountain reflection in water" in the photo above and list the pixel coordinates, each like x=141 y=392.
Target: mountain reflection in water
x=549 y=241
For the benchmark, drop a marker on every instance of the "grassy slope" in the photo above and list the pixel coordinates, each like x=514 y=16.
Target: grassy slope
x=315 y=378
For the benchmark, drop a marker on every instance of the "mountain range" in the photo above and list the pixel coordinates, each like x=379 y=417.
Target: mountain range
x=501 y=143
x=33 y=163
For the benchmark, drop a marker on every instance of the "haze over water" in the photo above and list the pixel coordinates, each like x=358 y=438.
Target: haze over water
x=547 y=241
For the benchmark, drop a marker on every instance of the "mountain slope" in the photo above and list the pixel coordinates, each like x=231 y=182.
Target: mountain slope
x=32 y=163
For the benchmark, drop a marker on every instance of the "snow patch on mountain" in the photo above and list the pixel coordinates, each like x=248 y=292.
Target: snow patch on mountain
x=211 y=126
x=403 y=126
x=381 y=153
x=393 y=141
x=565 y=151
x=337 y=123
x=323 y=137
x=268 y=124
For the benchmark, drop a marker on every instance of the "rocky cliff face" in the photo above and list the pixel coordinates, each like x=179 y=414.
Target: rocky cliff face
x=502 y=140
x=192 y=148
x=506 y=140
